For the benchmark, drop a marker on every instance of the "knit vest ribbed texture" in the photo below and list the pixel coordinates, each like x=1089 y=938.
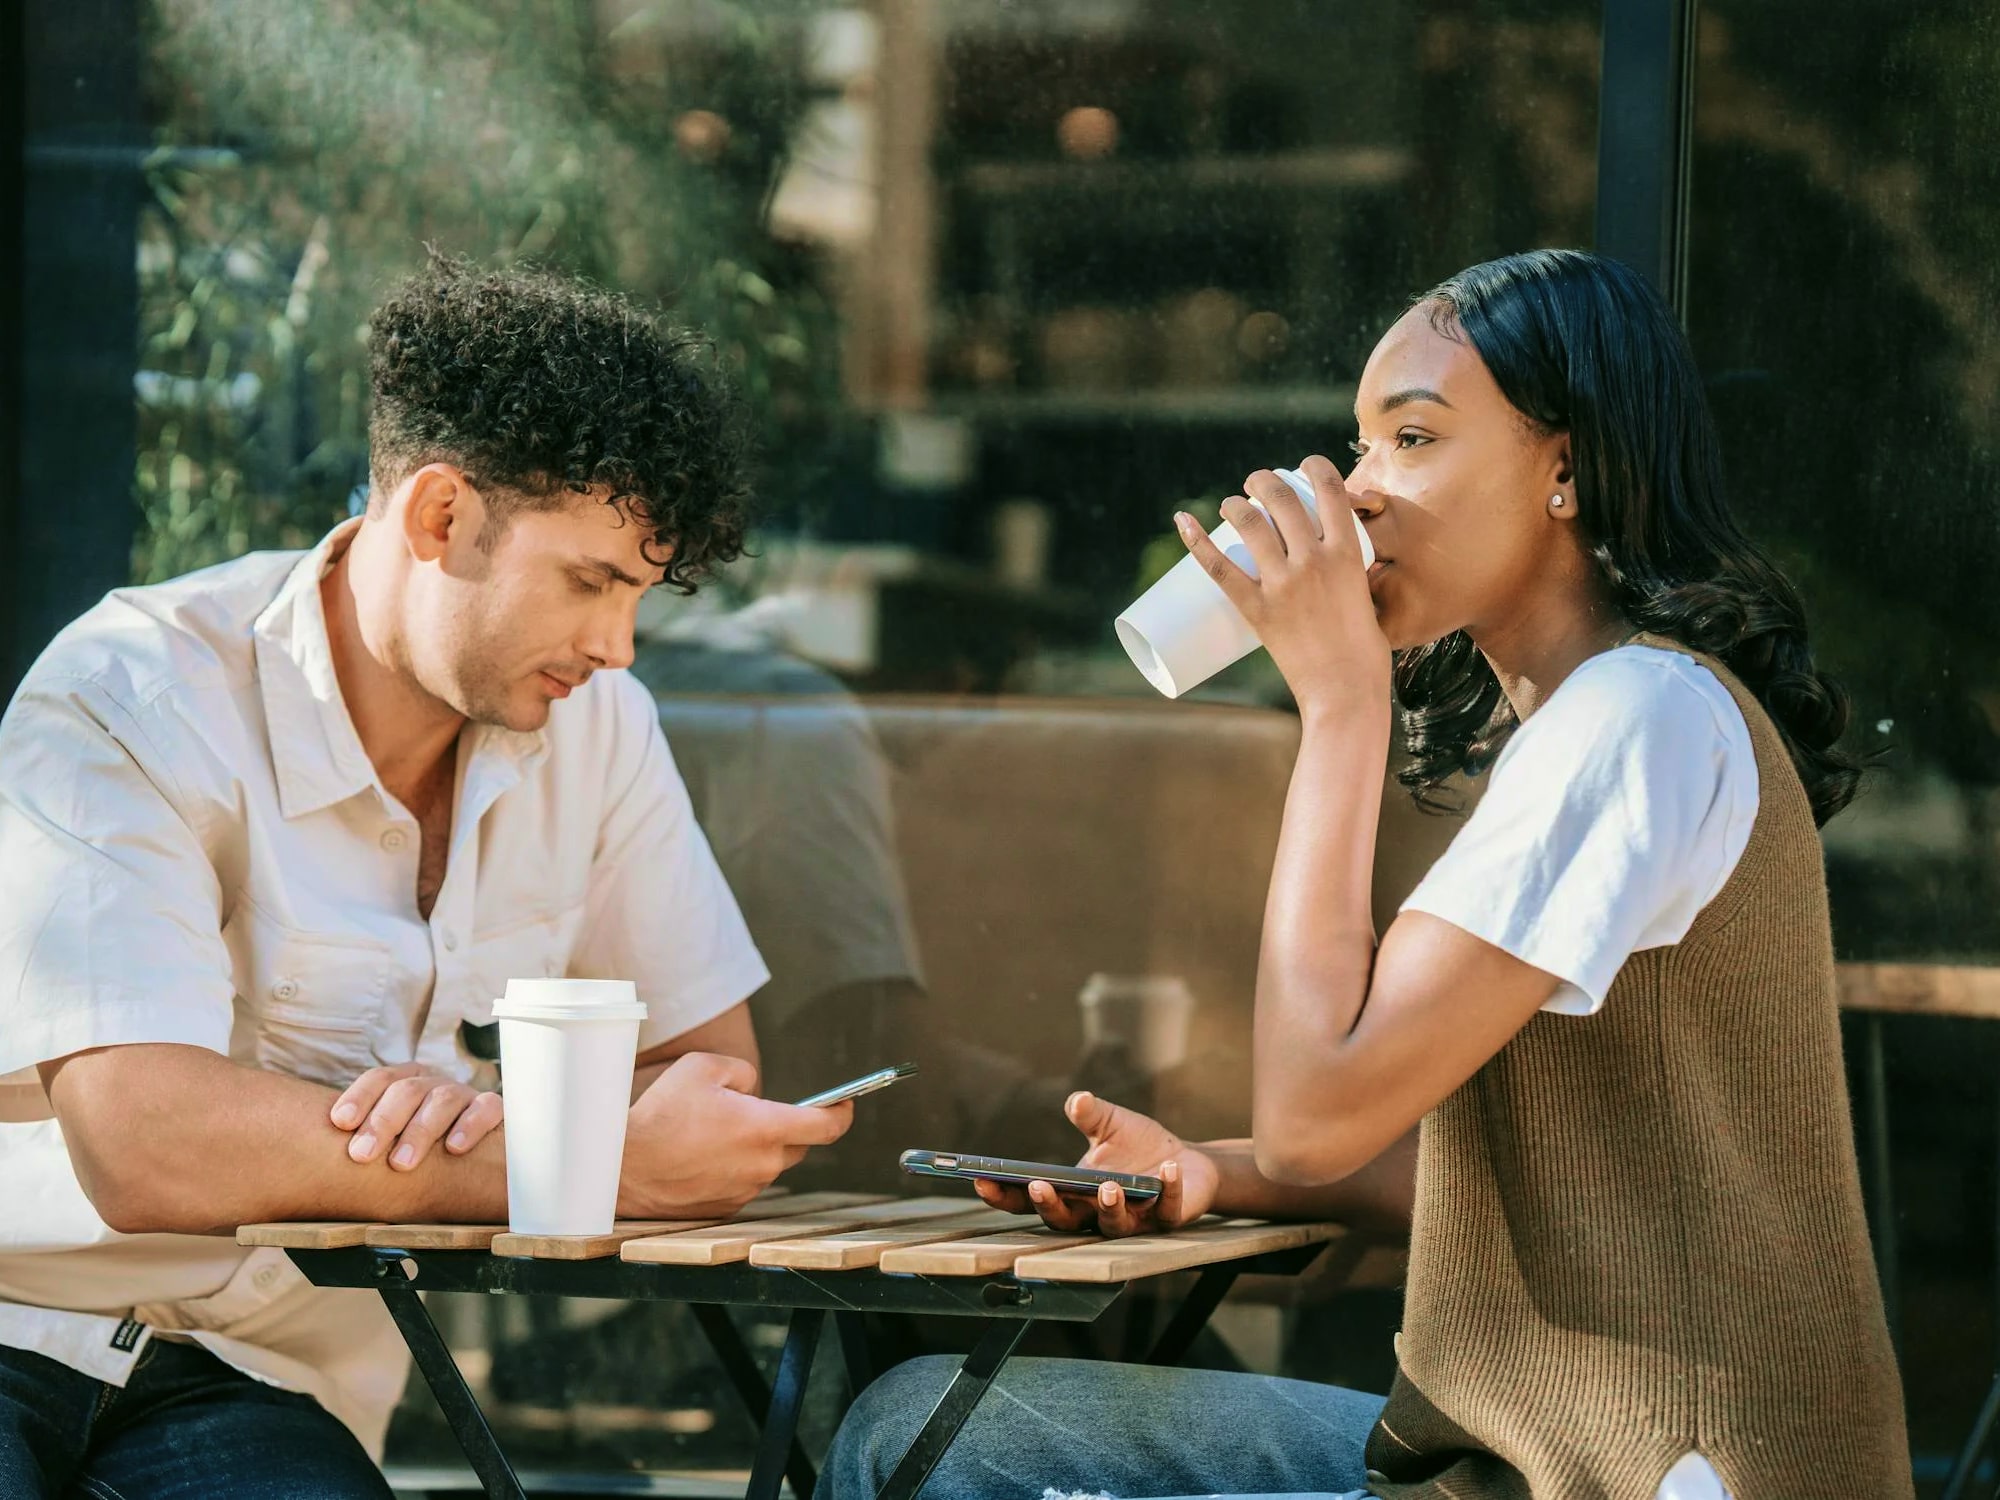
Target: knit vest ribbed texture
x=1640 y=1233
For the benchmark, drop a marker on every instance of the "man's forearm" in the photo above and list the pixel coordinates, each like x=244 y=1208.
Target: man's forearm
x=179 y=1139
x=1379 y=1196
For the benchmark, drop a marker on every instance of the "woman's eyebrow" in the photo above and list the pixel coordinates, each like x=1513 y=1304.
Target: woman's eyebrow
x=1414 y=393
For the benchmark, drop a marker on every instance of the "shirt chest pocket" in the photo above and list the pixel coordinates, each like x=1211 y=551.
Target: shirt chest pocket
x=308 y=1004
x=539 y=946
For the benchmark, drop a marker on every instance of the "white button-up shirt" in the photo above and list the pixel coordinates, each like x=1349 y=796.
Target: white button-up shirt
x=195 y=848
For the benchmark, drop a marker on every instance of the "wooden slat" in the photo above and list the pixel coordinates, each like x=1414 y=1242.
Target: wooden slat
x=434 y=1236
x=727 y=1244
x=1922 y=989
x=852 y=1252
x=597 y=1246
x=987 y=1255
x=1156 y=1254
x=322 y=1235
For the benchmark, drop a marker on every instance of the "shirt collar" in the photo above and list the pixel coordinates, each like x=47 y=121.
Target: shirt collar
x=314 y=747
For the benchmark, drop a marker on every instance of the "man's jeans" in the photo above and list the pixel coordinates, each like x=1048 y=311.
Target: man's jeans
x=185 y=1427
x=1073 y=1427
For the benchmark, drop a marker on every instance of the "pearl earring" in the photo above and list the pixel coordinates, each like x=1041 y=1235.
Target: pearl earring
x=1556 y=502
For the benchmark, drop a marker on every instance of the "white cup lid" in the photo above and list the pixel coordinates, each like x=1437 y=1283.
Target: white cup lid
x=570 y=1000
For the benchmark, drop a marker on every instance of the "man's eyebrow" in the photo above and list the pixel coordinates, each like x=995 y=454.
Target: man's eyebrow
x=612 y=571
x=1414 y=393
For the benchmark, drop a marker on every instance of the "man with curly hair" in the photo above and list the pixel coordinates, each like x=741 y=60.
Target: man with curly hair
x=273 y=836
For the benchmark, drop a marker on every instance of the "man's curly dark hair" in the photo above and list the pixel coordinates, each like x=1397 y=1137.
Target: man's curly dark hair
x=540 y=386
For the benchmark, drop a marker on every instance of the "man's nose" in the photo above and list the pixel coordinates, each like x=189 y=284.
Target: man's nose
x=610 y=646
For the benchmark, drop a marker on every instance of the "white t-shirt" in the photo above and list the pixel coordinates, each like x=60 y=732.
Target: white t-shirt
x=1614 y=815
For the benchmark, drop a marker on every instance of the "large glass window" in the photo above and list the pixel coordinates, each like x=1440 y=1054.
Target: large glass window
x=1004 y=282
x=1845 y=305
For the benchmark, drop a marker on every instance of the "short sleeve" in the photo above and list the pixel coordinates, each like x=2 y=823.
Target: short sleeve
x=110 y=910
x=1615 y=814
x=659 y=912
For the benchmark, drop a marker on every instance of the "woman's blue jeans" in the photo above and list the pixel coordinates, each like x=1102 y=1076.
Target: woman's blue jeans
x=185 y=1427
x=1072 y=1427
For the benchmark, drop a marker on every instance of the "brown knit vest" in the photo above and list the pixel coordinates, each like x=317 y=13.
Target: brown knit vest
x=1640 y=1233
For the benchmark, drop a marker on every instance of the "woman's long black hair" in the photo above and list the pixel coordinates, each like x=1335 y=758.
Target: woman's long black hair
x=1584 y=345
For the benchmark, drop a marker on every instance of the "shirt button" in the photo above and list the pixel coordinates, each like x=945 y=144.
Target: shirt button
x=285 y=989
x=450 y=941
x=394 y=839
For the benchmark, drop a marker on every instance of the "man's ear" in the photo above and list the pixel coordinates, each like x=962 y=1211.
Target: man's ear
x=441 y=503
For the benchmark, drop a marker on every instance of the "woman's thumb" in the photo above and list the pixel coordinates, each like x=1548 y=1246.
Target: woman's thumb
x=1095 y=1117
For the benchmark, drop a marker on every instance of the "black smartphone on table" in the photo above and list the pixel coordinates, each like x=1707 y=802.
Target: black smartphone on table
x=1082 y=1182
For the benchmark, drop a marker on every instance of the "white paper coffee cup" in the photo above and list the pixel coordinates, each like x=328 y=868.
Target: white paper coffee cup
x=1183 y=630
x=566 y=1055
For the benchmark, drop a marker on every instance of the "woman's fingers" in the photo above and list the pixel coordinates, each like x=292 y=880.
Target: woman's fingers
x=1331 y=494
x=1058 y=1212
x=1118 y=1215
x=1260 y=538
x=1237 y=585
x=1007 y=1196
x=1168 y=1206
x=1293 y=523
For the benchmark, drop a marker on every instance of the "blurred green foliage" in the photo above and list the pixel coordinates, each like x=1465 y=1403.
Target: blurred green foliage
x=313 y=148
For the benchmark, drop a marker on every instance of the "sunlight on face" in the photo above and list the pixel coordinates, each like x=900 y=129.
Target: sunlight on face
x=554 y=601
x=1464 y=482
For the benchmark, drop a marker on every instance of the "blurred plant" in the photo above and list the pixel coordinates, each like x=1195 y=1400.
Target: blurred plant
x=314 y=147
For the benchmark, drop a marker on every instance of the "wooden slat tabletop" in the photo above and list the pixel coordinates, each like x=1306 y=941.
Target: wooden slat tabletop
x=984 y=1255
x=1157 y=1254
x=864 y=1247
x=323 y=1235
x=832 y=1231
x=727 y=1244
x=597 y=1246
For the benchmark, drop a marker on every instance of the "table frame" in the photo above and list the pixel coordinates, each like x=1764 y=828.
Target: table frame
x=1009 y=1306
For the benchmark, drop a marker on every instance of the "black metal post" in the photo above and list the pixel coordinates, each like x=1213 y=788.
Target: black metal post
x=778 y=1457
x=953 y=1407
x=1882 y=1181
x=68 y=492
x=743 y=1373
x=1193 y=1315
x=447 y=1383
x=857 y=1350
x=1645 y=135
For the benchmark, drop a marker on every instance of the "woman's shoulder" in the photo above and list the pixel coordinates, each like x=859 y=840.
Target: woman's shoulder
x=1642 y=686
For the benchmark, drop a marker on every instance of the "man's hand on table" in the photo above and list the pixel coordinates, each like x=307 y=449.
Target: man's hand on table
x=699 y=1141
x=1121 y=1140
x=400 y=1112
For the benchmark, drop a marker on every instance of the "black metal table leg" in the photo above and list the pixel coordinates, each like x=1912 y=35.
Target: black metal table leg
x=1192 y=1315
x=1888 y=1257
x=998 y=1341
x=857 y=1353
x=1967 y=1463
x=778 y=1456
x=441 y=1374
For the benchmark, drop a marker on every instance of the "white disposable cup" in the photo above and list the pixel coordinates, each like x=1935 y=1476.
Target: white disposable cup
x=1183 y=630
x=566 y=1054
x=1147 y=1014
